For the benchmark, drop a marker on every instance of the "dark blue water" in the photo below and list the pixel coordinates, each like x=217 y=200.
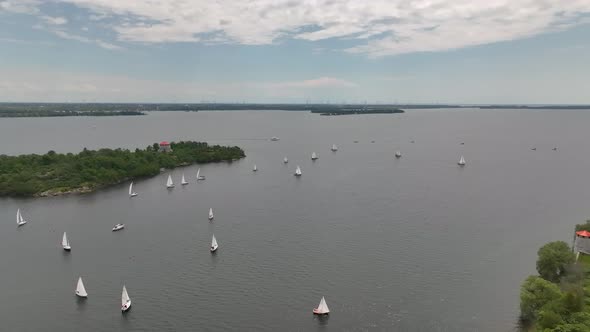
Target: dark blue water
x=415 y=244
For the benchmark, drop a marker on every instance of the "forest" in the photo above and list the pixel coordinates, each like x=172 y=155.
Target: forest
x=56 y=174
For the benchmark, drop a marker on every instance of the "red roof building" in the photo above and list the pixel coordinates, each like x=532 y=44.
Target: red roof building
x=583 y=233
x=164 y=143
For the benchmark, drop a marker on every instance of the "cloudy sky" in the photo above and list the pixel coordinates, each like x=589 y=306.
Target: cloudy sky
x=423 y=51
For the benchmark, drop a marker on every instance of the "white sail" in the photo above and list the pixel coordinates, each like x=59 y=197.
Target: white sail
x=169 y=183
x=323 y=307
x=214 y=242
x=131 y=189
x=298 y=171
x=334 y=147
x=210 y=213
x=124 y=296
x=198 y=173
x=183 y=180
x=64 y=241
x=255 y=168
x=314 y=156
x=19 y=218
x=285 y=160
x=462 y=161
x=80 y=289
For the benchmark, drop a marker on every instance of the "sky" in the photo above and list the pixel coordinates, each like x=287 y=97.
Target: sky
x=296 y=51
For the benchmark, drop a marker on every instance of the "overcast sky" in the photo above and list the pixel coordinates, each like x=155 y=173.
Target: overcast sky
x=426 y=51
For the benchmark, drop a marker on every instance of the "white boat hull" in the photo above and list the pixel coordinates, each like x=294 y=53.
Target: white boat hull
x=21 y=223
x=81 y=296
x=133 y=195
x=125 y=307
x=118 y=228
x=201 y=178
x=67 y=248
x=184 y=183
x=214 y=249
x=316 y=311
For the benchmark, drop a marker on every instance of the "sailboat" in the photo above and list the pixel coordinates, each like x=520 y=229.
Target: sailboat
x=461 y=161
x=169 y=183
x=255 y=168
x=314 y=156
x=334 y=147
x=65 y=243
x=298 y=171
x=199 y=176
x=214 y=244
x=19 y=218
x=80 y=289
x=211 y=214
x=131 y=192
x=398 y=154
x=183 y=181
x=322 y=308
x=285 y=160
x=125 y=300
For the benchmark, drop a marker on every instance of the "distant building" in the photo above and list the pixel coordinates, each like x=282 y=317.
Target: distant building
x=582 y=242
x=165 y=147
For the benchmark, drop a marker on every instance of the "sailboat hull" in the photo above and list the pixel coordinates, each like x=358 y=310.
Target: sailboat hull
x=316 y=311
x=126 y=307
x=68 y=249
x=213 y=249
x=81 y=296
x=21 y=223
x=133 y=195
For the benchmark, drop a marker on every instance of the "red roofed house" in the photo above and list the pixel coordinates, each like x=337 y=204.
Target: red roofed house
x=165 y=147
x=582 y=242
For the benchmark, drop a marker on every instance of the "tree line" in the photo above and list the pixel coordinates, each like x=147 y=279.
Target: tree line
x=558 y=298
x=33 y=174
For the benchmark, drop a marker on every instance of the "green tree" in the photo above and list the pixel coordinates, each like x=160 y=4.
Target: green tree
x=553 y=260
x=549 y=319
x=535 y=293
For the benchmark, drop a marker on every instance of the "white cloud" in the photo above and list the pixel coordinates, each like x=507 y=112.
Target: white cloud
x=66 y=35
x=54 y=20
x=19 y=6
x=380 y=27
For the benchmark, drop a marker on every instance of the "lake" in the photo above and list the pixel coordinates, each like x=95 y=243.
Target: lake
x=410 y=244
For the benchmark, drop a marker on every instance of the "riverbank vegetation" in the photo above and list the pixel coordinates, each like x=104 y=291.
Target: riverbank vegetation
x=57 y=174
x=558 y=299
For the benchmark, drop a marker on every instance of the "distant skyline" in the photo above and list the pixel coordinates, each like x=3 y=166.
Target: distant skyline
x=267 y=51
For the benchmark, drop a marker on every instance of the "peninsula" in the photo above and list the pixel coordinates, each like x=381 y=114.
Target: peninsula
x=54 y=174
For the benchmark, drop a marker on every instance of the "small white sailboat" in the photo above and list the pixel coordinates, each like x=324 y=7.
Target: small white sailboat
x=322 y=308
x=125 y=300
x=211 y=216
x=298 y=171
x=131 y=192
x=65 y=243
x=118 y=227
x=461 y=161
x=169 y=183
x=285 y=160
x=398 y=154
x=274 y=138
x=199 y=176
x=314 y=156
x=334 y=148
x=183 y=181
x=19 y=218
x=255 y=168
x=80 y=289
x=214 y=244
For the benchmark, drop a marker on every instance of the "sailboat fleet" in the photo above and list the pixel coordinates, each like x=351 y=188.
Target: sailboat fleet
x=80 y=291
x=65 y=243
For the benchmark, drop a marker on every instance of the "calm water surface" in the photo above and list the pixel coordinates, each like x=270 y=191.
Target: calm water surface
x=415 y=244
